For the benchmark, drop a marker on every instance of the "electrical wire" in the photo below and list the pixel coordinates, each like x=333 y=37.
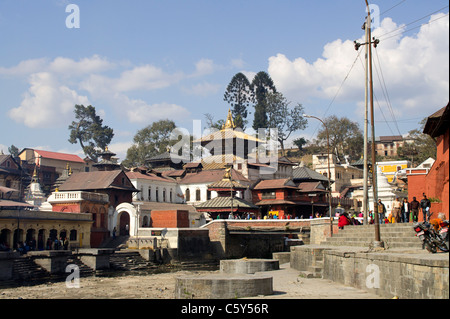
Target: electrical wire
x=384 y=90
x=403 y=26
x=337 y=92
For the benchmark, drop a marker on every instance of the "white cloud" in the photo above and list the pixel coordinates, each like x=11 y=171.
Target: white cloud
x=139 y=111
x=204 y=67
x=47 y=102
x=415 y=69
x=83 y=66
x=202 y=89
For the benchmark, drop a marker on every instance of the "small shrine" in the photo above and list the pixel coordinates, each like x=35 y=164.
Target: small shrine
x=33 y=193
x=227 y=202
x=107 y=163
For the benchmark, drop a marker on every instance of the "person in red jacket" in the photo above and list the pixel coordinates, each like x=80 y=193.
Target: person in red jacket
x=343 y=221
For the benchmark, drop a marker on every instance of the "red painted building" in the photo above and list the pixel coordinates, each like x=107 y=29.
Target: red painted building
x=283 y=198
x=114 y=183
x=434 y=183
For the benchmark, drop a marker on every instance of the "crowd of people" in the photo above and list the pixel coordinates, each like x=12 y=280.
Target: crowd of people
x=404 y=211
x=32 y=245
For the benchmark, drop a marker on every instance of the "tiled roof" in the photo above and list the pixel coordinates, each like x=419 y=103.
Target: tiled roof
x=275 y=183
x=227 y=134
x=225 y=202
x=148 y=176
x=311 y=187
x=307 y=173
x=226 y=184
x=96 y=180
x=210 y=176
x=60 y=156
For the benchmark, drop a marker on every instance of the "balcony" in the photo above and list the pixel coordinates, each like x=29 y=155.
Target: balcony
x=77 y=196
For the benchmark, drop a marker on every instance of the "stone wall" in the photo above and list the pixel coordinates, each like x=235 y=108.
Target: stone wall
x=387 y=274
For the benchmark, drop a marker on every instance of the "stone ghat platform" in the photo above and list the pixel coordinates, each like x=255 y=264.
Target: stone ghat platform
x=248 y=266
x=222 y=286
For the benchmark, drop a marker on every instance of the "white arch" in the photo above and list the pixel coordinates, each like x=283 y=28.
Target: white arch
x=131 y=210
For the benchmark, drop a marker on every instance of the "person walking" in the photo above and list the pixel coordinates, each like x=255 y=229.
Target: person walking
x=381 y=211
x=406 y=209
x=396 y=210
x=425 y=204
x=414 y=205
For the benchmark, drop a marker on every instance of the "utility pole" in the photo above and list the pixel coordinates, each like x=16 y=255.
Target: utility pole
x=368 y=37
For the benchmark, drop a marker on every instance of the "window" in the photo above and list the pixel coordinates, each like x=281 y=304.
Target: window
x=208 y=195
x=164 y=195
x=197 y=195
x=73 y=235
x=149 y=193
x=170 y=194
x=157 y=194
x=268 y=195
x=187 y=195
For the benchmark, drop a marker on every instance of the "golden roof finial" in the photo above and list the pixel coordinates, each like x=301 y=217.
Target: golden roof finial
x=229 y=123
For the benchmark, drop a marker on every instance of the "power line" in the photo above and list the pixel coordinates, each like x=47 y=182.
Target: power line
x=399 y=28
x=384 y=90
x=337 y=92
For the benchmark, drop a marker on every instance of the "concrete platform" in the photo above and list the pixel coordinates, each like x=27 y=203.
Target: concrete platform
x=248 y=266
x=222 y=286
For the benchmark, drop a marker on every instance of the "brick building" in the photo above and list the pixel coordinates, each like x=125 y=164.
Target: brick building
x=434 y=181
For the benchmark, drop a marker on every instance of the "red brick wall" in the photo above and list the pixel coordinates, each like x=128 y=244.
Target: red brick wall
x=170 y=218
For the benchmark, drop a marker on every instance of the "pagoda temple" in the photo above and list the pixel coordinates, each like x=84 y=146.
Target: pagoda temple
x=226 y=201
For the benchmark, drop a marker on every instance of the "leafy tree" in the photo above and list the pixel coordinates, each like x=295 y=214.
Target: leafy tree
x=239 y=95
x=262 y=84
x=422 y=147
x=346 y=137
x=89 y=131
x=285 y=119
x=150 y=141
x=300 y=142
x=13 y=150
x=211 y=124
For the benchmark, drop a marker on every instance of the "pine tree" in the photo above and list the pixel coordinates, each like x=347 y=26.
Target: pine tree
x=261 y=84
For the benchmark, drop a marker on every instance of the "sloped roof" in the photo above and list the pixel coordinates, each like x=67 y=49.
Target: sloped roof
x=275 y=183
x=437 y=122
x=210 y=176
x=307 y=173
x=309 y=187
x=59 y=156
x=225 y=202
x=96 y=180
x=148 y=176
x=227 y=133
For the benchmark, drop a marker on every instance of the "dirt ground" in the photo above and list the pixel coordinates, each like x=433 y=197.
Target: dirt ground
x=287 y=284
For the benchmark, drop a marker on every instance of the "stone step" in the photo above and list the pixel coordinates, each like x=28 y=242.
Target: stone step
x=25 y=269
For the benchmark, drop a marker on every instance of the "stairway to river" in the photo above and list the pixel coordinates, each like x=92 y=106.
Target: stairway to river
x=397 y=235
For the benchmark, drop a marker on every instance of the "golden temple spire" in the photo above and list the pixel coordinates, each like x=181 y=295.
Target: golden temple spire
x=229 y=123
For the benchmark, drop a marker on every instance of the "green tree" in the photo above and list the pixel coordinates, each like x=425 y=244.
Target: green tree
x=346 y=137
x=89 y=131
x=239 y=95
x=262 y=84
x=150 y=141
x=211 y=124
x=13 y=151
x=282 y=117
x=300 y=142
x=421 y=148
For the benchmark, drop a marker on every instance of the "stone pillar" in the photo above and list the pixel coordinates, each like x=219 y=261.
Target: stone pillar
x=54 y=261
x=95 y=258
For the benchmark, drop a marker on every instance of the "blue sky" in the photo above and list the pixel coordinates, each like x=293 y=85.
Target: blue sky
x=141 y=61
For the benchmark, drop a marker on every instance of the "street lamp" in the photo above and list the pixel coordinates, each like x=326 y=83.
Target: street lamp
x=329 y=174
